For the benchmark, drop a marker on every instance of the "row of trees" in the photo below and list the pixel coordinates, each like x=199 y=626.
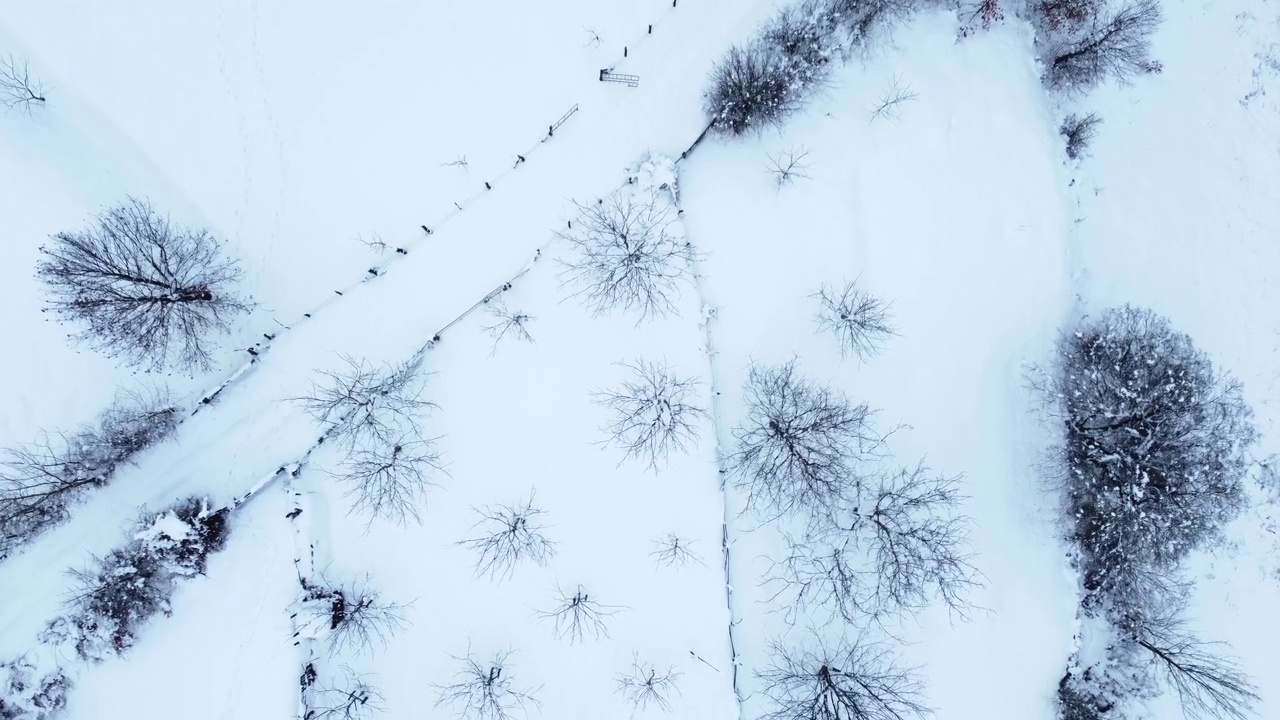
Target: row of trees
x=1152 y=465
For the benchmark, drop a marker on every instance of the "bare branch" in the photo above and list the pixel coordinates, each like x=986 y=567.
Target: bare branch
x=18 y=90
x=789 y=166
x=510 y=534
x=671 y=550
x=890 y=104
x=513 y=323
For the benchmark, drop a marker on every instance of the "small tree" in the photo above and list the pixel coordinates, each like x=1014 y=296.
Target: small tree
x=18 y=90
x=644 y=686
x=348 y=697
x=41 y=480
x=1079 y=131
x=486 y=690
x=860 y=321
x=751 y=88
x=799 y=447
x=149 y=293
x=353 y=616
x=574 y=617
x=508 y=323
x=652 y=414
x=789 y=166
x=849 y=681
x=902 y=545
x=1116 y=47
x=389 y=481
x=363 y=404
x=625 y=257
x=671 y=550
x=510 y=534
x=1154 y=456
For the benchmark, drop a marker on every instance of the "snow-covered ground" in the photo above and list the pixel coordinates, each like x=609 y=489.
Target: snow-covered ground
x=291 y=130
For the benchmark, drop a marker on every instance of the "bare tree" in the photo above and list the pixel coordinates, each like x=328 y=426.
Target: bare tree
x=801 y=444
x=1079 y=131
x=900 y=546
x=671 y=550
x=889 y=106
x=18 y=90
x=850 y=681
x=366 y=404
x=625 y=257
x=390 y=481
x=861 y=322
x=644 y=686
x=652 y=414
x=789 y=166
x=375 y=243
x=486 y=690
x=352 y=616
x=508 y=323
x=351 y=697
x=148 y=292
x=578 y=615
x=1116 y=47
x=41 y=480
x=510 y=534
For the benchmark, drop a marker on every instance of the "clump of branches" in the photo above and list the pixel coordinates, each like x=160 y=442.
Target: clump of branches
x=508 y=323
x=509 y=535
x=852 y=680
x=119 y=592
x=624 y=256
x=889 y=106
x=644 y=686
x=40 y=481
x=789 y=166
x=860 y=321
x=486 y=690
x=390 y=481
x=574 y=617
x=652 y=414
x=1056 y=18
x=752 y=87
x=18 y=90
x=671 y=550
x=148 y=292
x=1115 y=47
x=801 y=444
x=351 y=616
x=1079 y=131
x=898 y=547
x=1155 y=444
x=350 y=697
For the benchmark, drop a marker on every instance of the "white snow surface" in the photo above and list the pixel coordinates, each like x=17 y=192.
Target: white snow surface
x=291 y=129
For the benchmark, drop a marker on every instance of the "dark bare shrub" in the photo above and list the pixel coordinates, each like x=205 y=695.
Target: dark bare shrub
x=350 y=696
x=575 y=616
x=645 y=686
x=18 y=90
x=509 y=535
x=353 y=616
x=752 y=87
x=486 y=690
x=652 y=414
x=365 y=404
x=860 y=321
x=149 y=293
x=1079 y=131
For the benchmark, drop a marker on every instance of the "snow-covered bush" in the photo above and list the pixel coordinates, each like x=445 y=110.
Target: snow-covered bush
x=752 y=87
x=900 y=544
x=119 y=592
x=1079 y=131
x=846 y=680
x=801 y=445
x=624 y=255
x=148 y=292
x=350 y=617
x=652 y=414
x=1111 y=46
x=28 y=692
x=1154 y=455
x=41 y=480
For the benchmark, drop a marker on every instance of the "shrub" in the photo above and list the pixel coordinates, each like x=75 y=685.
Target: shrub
x=1115 y=48
x=851 y=680
x=29 y=693
x=1155 y=444
x=1079 y=132
x=652 y=414
x=751 y=88
x=148 y=292
x=860 y=321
